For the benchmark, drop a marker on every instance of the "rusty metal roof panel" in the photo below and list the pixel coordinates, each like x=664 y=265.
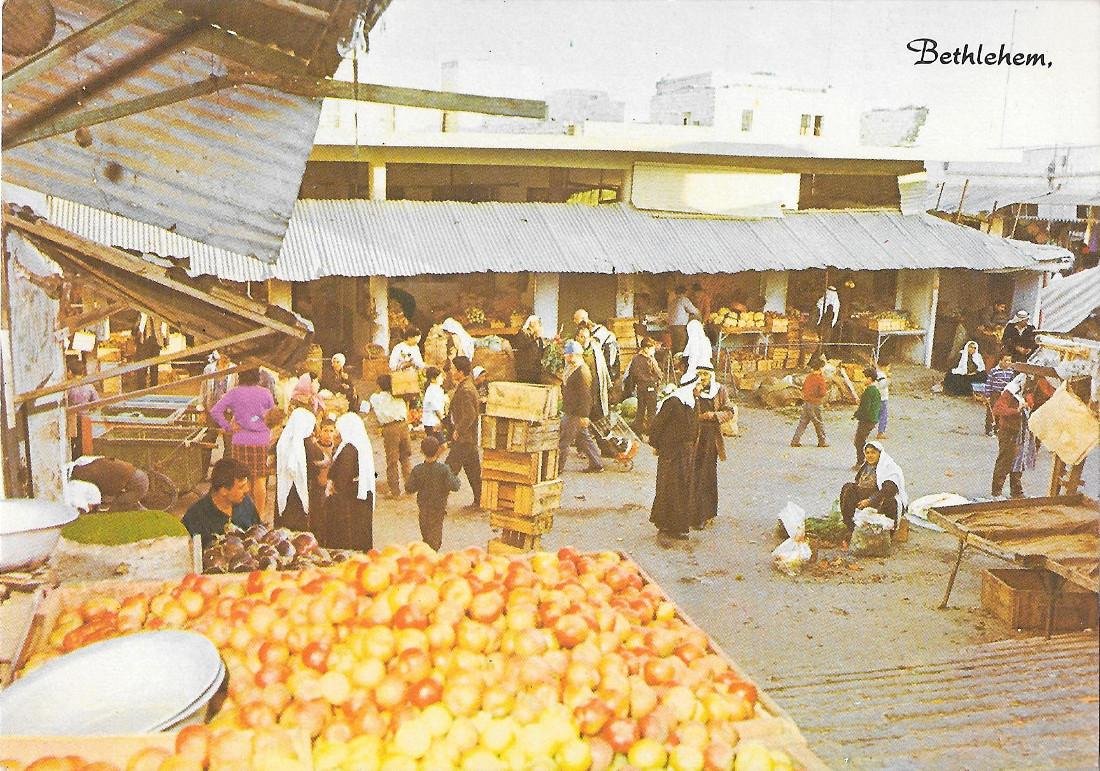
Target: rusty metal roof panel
x=223 y=169
x=1027 y=703
x=408 y=238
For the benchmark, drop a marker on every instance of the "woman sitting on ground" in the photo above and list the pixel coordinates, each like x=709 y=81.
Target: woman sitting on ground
x=879 y=485
x=969 y=370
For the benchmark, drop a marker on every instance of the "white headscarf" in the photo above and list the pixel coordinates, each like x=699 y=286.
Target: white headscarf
x=686 y=392
x=339 y=359
x=1016 y=387
x=290 y=458
x=829 y=300
x=887 y=470
x=698 y=349
x=712 y=389
x=464 y=343
x=352 y=431
x=976 y=357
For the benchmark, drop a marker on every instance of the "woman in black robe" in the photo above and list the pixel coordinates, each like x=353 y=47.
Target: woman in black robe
x=349 y=510
x=529 y=348
x=712 y=408
x=672 y=435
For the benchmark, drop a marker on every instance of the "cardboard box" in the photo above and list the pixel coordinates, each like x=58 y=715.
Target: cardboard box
x=405 y=382
x=535 y=403
x=1018 y=598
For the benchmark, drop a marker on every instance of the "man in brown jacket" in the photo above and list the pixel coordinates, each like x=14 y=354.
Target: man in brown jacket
x=465 y=410
x=576 y=406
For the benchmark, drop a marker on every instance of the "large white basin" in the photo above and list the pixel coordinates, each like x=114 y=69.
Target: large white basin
x=30 y=529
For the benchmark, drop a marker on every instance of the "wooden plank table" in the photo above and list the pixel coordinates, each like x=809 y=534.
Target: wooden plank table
x=1002 y=529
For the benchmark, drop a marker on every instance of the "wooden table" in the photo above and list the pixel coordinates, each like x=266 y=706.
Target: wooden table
x=1058 y=537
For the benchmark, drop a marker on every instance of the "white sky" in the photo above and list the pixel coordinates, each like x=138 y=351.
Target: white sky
x=624 y=46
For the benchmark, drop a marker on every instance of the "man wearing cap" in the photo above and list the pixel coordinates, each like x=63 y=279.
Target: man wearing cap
x=576 y=407
x=1018 y=338
x=392 y=414
x=673 y=436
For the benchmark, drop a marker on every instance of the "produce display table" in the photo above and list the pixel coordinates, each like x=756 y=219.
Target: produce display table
x=1058 y=537
x=882 y=335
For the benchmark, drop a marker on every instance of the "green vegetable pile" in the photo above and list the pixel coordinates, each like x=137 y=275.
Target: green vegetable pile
x=111 y=528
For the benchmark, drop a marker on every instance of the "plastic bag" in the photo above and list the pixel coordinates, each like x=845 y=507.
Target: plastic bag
x=918 y=509
x=793 y=554
x=871 y=537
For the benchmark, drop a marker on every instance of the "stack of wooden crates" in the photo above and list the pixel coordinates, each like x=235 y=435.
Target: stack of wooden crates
x=625 y=332
x=520 y=482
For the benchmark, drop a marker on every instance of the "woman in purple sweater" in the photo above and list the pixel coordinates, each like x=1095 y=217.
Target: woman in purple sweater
x=247 y=404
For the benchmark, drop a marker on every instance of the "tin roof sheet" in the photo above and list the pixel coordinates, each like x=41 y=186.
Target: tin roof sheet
x=408 y=238
x=223 y=169
x=1069 y=300
x=1015 y=703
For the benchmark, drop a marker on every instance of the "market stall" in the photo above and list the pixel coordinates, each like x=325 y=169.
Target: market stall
x=1058 y=538
x=610 y=671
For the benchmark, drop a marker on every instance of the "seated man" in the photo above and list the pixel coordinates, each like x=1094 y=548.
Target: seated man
x=121 y=484
x=228 y=499
x=879 y=485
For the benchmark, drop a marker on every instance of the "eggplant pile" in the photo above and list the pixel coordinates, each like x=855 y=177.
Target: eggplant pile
x=263 y=548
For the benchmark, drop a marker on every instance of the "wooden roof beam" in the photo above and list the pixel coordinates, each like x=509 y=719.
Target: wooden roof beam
x=101 y=28
x=406 y=97
x=74 y=120
x=301 y=10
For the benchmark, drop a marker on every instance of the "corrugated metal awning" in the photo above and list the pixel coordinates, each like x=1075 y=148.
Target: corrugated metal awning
x=408 y=238
x=1069 y=300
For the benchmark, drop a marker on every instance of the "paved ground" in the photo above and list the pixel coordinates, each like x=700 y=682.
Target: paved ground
x=854 y=615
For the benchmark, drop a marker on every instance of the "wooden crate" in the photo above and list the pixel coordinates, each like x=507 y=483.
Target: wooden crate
x=1017 y=597
x=528 y=500
x=527 y=468
x=536 y=525
x=622 y=328
x=764 y=365
x=497 y=546
x=518 y=435
x=535 y=403
x=405 y=382
x=518 y=540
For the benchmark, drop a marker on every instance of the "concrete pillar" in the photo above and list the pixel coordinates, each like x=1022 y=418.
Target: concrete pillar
x=628 y=184
x=545 y=304
x=918 y=295
x=280 y=293
x=775 y=290
x=624 y=295
x=379 y=287
x=377 y=182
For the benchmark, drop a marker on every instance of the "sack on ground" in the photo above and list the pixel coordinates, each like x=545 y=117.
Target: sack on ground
x=918 y=509
x=793 y=518
x=871 y=537
x=791 y=556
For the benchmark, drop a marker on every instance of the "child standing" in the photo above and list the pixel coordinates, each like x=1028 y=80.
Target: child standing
x=434 y=404
x=643 y=377
x=882 y=380
x=432 y=481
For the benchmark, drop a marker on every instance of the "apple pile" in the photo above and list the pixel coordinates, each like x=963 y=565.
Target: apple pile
x=261 y=548
x=404 y=658
x=196 y=747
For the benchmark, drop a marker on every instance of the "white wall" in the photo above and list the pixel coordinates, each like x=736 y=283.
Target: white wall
x=918 y=294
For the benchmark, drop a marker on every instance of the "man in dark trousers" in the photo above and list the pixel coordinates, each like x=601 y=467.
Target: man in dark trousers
x=433 y=482
x=1018 y=338
x=465 y=412
x=576 y=407
x=643 y=377
x=228 y=500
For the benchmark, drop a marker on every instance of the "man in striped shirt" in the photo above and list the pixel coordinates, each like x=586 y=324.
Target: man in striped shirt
x=996 y=380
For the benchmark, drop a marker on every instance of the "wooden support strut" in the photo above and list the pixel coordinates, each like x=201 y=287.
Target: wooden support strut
x=74 y=120
x=99 y=29
x=96 y=377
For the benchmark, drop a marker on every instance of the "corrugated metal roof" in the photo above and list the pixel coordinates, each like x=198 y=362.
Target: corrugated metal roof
x=224 y=169
x=1011 y=704
x=1069 y=300
x=408 y=238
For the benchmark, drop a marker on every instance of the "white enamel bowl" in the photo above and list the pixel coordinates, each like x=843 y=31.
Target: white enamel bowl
x=30 y=530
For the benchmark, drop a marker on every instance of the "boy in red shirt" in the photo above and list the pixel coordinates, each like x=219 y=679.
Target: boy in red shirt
x=814 y=392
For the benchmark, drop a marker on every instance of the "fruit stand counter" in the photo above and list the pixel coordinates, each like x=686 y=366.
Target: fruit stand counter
x=1059 y=537
x=461 y=659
